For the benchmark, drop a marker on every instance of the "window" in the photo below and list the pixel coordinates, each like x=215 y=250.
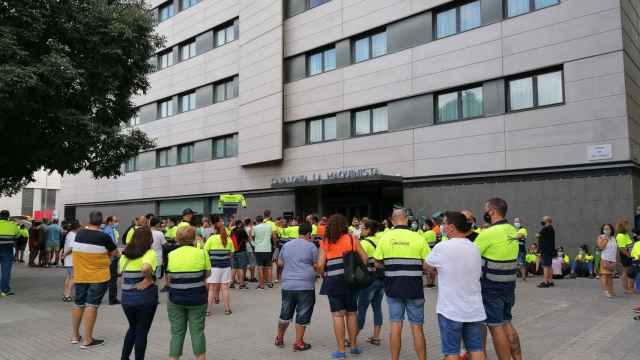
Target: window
x=519 y=7
x=165 y=108
x=460 y=104
x=225 y=90
x=188 y=102
x=185 y=4
x=321 y=61
x=162 y=158
x=165 y=59
x=130 y=165
x=458 y=19
x=225 y=147
x=225 y=35
x=370 y=121
x=370 y=47
x=537 y=90
x=135 y=119
x=166 y=11
x=320 y=130
x=185 y=154
x=314 y=3
x=187 y=50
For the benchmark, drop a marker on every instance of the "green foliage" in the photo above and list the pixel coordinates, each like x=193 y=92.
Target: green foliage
x=68 y=69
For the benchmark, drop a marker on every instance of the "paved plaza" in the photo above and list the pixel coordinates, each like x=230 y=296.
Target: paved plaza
x=571 y=321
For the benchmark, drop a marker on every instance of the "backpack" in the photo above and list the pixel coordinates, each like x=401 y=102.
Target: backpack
x=356 y=274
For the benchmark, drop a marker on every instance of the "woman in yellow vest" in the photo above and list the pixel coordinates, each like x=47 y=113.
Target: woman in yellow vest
x=187 y=269
x=624 y=242
x=137 y=265
x=220 y=249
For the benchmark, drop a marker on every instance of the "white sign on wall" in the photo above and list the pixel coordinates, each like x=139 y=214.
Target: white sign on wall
x=599 y=152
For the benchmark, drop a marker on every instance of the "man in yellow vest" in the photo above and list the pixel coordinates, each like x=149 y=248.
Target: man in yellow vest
x=9 y=233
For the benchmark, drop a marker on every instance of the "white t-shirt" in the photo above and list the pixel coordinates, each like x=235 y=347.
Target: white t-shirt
x=459 y=268
x=158 y=241
x=68 y=244
x=610 y=252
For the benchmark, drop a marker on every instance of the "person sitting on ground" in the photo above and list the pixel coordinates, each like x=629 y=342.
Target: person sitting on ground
x=582 y=265
x=556 y=265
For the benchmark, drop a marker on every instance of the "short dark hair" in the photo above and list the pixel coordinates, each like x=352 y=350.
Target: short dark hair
x=75 y=224
x=149 y=216
x=259 y=218
x=458 y=220
x=109 y=220
x=4 y=214
x=267 y=213
x=498 y=205
x=373 y=226
x=154 y=221
x=305 y=229
x=95 y=218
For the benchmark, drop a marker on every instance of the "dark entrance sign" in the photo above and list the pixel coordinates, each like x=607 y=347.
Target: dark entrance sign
x=329 y=177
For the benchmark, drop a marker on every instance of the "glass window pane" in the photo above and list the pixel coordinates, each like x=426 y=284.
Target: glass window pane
x=379 y=44
x=380 y=119
x=219 y=148
x=448 y=107
x=230 y=89
x=220 y=92
x=192 y=49
x=330 y=128
x=329 y=59
x=472 y=103
x=446 y=23
x=540 y=4
x=362 y=49
x=517 y=7
x=315 y=131
x=230 y=145
x=220 y=36
x=315 y=64
x=314 y=3
x=230 y=34
x=362 y=124
x=550 y=88
x=521 y=94
x=470 y=16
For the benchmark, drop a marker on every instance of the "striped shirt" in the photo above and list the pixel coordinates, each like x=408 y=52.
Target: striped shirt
x=90 y=253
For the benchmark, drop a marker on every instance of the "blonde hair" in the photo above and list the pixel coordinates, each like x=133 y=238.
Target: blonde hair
x=622 y=226
x=186 y=235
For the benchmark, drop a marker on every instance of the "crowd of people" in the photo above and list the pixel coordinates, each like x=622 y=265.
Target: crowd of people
x=197 y=260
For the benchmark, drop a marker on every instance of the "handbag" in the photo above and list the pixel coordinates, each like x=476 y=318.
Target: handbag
x=356 y=274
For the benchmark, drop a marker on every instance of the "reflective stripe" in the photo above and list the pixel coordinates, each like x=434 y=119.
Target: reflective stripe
x=335 y=261
x=501 y=278
x=187 y=286
x=335 y=272
x=193 y=275
x=402 y=273
x=372 y=261
x=10 y=242
x=494 y=265
x=132 y=275
x=402 y=262
x=129 y=286
x=218 y=257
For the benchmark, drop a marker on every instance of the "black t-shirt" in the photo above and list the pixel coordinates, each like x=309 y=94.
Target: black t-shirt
x=95 y=237
x=547 y=240
x=241 y=239
x=472 y=236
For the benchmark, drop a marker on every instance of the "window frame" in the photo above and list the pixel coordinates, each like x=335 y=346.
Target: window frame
x=162 y=101
x=322 y=126
x=534 y=84
x=188 y=95
x=135 y=119
x=159 y=164
x=532 y=8
x=169 y=55
x=132 y=160
x=191 y=2
x=222 y=29
x=225 y=83
x=189 y=44
x=225 y=141
x=309 y=7
x=458 y=18
x=323 y=64
x=166 y=5
x=369 y=36
x=181 y=148
x=458 y=91
x=370 y=110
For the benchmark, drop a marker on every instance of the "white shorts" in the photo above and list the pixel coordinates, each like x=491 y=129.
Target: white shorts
x=219 y=276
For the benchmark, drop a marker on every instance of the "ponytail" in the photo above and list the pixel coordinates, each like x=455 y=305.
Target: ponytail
x=223 y=233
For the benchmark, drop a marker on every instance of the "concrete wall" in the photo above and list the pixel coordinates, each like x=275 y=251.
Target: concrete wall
x=630 y=13
x=577 y=203
x=124 y=212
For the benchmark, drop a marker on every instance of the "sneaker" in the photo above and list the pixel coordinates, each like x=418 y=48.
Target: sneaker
x=356 y=350
x=260 y=288
x=270 y=285
x=3 y=295
x=301 y=346
x=9 y=293
x=543 y=285
x=243 y=287
x=94 y=344
x=338 y=355
x=279 y=342
x=551 y=284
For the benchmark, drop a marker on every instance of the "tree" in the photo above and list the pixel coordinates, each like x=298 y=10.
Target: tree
x=68 y=69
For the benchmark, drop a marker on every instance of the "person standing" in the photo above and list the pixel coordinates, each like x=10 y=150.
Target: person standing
x=547 y=246
x=220 y=250
x=113 y=261
x=139 y=291
x=187 y=218
x=157 y=245
x=187 y=269
x=67 y=258
x=402 y=253
x=625 y=244
x=606 y=242
x=264 y=238
x=9 y=233
x=248 y=229
x=54 y=232
x=34 y=243
x=343 y=301
x=240 y=259
x=460 y=309
x=522 y=235
x=298 y=260
x=373 y=294
x=91 y=251
x=43 y=235
x=498 y=246
x=472 y=234
x=21 y=243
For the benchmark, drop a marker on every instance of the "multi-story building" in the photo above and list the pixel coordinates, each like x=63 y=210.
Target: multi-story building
x=356 y=105
x=36 y=200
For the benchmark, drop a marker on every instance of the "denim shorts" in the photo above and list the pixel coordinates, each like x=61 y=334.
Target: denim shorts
x=413 y=307
x=240 y=260
x=497 y=305
x=69 y=270
x=452 y=332
x=263 y=259
x=90 y=294
x=521 y=258
x=346 y=302
x=299 y=301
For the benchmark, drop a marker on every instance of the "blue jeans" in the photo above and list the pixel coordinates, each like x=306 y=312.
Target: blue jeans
x=6 y=262
x=371 y=295
x=299 y=301
x=414 y=309
x=574 y=266
x=452 y=332
x=497 y=305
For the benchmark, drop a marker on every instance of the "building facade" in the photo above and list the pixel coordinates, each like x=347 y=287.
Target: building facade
x=352 y=106
x=38 y=199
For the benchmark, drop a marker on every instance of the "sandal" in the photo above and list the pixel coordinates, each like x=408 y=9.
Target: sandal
x=227 y=312
x=66 y=298
x=338 y=355
x=373 y=341
x=75 y=341
x=216 y=300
